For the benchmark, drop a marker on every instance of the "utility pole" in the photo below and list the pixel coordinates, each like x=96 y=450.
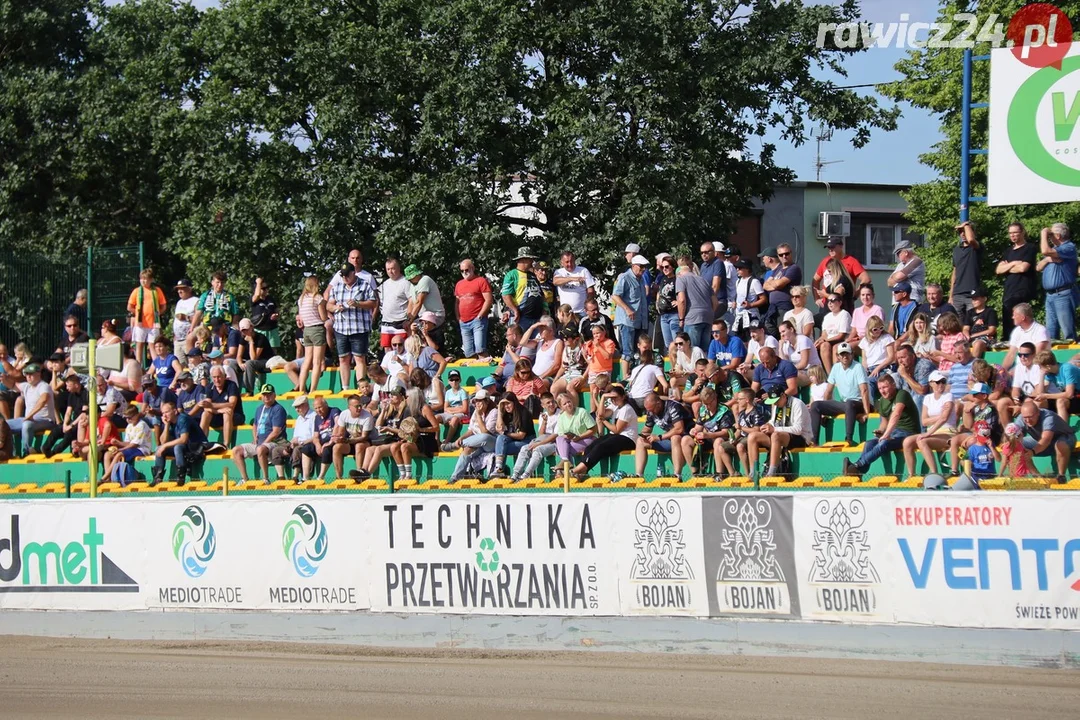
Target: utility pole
x=824 y=134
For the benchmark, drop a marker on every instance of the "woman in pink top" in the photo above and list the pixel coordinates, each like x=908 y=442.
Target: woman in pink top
x=866 y=310
x=949 y=331
x=311 y=316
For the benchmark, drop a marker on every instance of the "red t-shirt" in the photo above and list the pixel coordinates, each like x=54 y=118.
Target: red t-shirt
x=470 y=295
x=850 y=263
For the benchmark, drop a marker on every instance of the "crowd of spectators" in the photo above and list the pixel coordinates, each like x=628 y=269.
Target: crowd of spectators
x=723 y=362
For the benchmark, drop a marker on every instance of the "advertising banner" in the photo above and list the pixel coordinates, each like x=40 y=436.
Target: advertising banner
x=660 y=552
x=538 y=555
x=1034 y=150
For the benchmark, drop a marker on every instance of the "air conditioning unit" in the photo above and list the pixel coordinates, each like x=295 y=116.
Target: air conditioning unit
x=834 y=224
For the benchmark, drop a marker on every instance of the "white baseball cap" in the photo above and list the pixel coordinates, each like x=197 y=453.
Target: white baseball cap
x=480 y=394
x=639 y=260
x=633 y=248
x=843 y=348
x=938 y=376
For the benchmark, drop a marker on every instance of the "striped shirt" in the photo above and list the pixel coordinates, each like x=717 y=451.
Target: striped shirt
x=308 y=305
x=958 y=379
x=349 y=320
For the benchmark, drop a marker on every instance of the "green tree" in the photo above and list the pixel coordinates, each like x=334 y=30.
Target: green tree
x=933 y=80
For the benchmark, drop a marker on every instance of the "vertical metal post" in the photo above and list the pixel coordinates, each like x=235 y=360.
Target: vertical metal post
x=89 y=289
x=142 y=258
x=67 y=480
x=92 y=458
x=225 y=482
x=965 y=138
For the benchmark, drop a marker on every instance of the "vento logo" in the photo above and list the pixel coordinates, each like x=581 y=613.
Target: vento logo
x=305 y=540
x=1042 y=122
x=78 y=566
x=194 y=541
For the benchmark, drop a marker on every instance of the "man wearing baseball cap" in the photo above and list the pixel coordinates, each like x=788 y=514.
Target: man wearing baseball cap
x=789 y=427
x=425 y=296
x=980 y=323
x=521 y=293
x=267 y=430
x=899 y=419
x=183 y=313
x=909 y=268
x=835 y=251
x=631 y=309
x=903 y=309
x=301 y=449
x=846 y=393
x=252 y=355
x=39 y=409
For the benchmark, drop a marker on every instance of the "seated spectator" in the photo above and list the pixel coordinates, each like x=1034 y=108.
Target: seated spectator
x=455 y=410
x=789 y=428
x=7 y=443
x=726 y=384
x=1027 y=383
x=935 y=305
x=593 y=316
x=799 y=350
x=996 y=377
x=35 y=410
x=980 y=324
x=713 y=430
x=751 y=415
x=939 y=413
x=848 y=381
x=949 y=332
x=573 y=365
x=129 y=379
x=151 y=398
x=758 y=341
x=109 y=336
x=252 y=356
x=73 y=334
x=323 y=440
x=922 y=341
x=179 y=438
x=424 y=357
x=300 y=451
x=644 y=379
x=513 y=430
x=960 y=371
x=775 y=371
x=387 y=432
x=226 y=342
x=867 y=309
x=801 y=316
x=527 y=386
x=1045 y=433
x=599 y=355
x=479 y=436
x=199 y=367
x=904 y=311
x=222 y=407
x=575 y=430
x=690 y=393
x=1059 y=385
x=417 y=434
x=835 y=327
x=76 y=405
x=899 y=419
x=726 y=349
x=200 y=337
x=1025 y=330
x=533 y=453
x=397 y=360
x=189 y=396
x=673 y=421
x=134 y=444
x=268 y=433
x=913 y=374
x=619 y=423
x=567 y=318
x=353 y=431
x=978 y=410
x=165 y=365
x=878 y=351
x=548 y=347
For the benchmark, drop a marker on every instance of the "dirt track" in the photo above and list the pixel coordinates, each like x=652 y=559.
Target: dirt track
x=106 y=679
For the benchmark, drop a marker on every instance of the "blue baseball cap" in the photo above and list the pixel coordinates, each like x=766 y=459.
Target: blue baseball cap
x=902 y=286
x=487 y=382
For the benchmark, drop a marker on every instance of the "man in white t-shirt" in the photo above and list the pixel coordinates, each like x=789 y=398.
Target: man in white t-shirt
x=182 y=314
x=1025 y=330
x=574 y=282
x=35 y=410
x=393 y=301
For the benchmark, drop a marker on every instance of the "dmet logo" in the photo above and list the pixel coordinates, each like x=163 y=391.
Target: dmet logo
x=966 y=563
x=79 y=566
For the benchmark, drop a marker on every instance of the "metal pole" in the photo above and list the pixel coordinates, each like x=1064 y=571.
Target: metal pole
x=92 y=458
x=965 y=138
x=89 y=289
x=225 y=482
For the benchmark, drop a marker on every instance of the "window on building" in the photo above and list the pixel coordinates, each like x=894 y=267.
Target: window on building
x=873 y=239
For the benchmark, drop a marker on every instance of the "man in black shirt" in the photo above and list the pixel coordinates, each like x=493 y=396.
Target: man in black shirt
x=935 y=305
x=980 y=324
x=673 y=420
x=593 y=316
x=75 y=403
x=253 y=353
x=967 y=257
x=1018 y=267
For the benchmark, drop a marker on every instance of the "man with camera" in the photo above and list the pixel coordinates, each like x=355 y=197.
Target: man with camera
x=966 y=274
x=351 y=303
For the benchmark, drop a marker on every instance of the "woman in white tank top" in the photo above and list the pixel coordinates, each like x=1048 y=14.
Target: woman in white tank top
x=549 y=350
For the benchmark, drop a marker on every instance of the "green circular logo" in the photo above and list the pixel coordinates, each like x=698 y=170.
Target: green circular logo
x=1023 y=133
x=487 y=557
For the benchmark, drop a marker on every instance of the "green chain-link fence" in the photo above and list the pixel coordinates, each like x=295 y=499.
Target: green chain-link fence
x=113 y=273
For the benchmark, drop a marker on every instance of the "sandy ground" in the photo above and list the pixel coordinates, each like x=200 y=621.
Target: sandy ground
x=60 y=678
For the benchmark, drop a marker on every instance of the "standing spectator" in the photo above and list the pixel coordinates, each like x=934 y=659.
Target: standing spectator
x=216 y=302
x=696 y=303
x=666 y=300
x=731 y=256
x=425 y=297
x=351 y=304
x=574 y=283
x=1025 y=330
x=848 y=380
x=312 y=316
x=182 y=316
x=78 y=307
x=393 y=301
x=36 y=410
x=73 y=334
x=145 y=306
x=1018 y=267
x=264 y=313
x=981 y=322
x=909 y=267
x=867 y=309
x=750 y=300
x=935 y=305
x=783 y=277
x=542 y=270
x=899 y=418
x=631 y=309
x=1058 y=268
x=966 y=272
x=825 y=279
x=473 y=296
x=714 y=271
x=521 y=291
x=252 y=356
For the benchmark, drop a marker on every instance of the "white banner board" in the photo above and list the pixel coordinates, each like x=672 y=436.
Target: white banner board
x=1034 y=149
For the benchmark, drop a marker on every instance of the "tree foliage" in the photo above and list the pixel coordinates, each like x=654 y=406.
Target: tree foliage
x=933 y=79
x=269 y=136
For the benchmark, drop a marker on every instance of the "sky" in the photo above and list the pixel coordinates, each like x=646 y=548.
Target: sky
x=889 y=157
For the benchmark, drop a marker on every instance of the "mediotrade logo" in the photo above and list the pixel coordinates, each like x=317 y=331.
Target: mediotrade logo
x=305 y=540
x=80 y=566
x=1044 y=147
x=194 y=541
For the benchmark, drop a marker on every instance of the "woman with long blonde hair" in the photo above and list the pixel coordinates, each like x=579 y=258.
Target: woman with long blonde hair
x=311 y=314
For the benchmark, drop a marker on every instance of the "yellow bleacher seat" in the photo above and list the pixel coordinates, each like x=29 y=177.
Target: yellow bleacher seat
x=313 y=484
x=194 y=486
x=373 y=484
x=109 y=487
x=882 y=481
x=53 y=487
x=26 y=487
x=340 y=484
x=282 y=485
x=1002 y=483
x=405 y=483
x=255 y=485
